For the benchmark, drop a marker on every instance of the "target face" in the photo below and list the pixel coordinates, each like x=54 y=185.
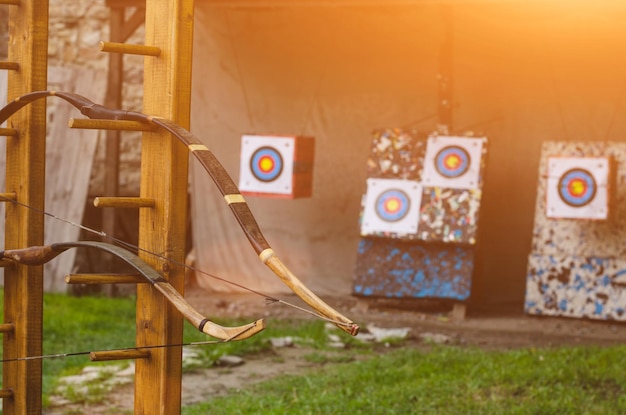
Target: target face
x=453 y=162
x=577 y=187
x=391 y=206
x=266 y=164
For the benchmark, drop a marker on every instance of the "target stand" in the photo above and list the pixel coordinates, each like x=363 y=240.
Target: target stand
x=419 y=225
x=276 y=166
x=578 y=260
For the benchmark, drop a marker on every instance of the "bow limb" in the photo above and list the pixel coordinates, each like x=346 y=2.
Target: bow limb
x=220 y=177
x=39 y=255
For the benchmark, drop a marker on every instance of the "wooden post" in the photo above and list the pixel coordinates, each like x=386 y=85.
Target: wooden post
x=25 y=175
x=167 y=93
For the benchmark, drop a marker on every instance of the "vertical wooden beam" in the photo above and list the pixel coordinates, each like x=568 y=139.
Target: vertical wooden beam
x=25 y=176
x=167 y=92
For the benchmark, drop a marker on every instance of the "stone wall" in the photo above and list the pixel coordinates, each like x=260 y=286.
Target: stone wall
x=75 y=29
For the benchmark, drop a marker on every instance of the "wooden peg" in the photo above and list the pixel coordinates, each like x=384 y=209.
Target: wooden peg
x=8 y=132
x=7 y=328
x=6 y=393
x=104 y=279
x=10 y=66
x=123 y=202
x=114 y=47
x=118 y=125
x=118 y=355
x=4 y=263
x=6 y=197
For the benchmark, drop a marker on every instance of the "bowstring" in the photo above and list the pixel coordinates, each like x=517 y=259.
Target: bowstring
x=123 y=349
x=269 y=298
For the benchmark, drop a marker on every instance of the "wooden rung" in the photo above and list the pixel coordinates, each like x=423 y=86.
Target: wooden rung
x=7 y=197
x=6 y=263
x=13 y=2
x=11 y=66
x=119 y=355
x=7 y=328
x=129 y=49
x=119 y=125
x=6 y=393
x=123 y=202
x=104 y=279
x=8 y=132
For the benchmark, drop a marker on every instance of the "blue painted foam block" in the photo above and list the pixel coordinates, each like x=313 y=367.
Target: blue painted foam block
x=396 y=269
x=576 y=286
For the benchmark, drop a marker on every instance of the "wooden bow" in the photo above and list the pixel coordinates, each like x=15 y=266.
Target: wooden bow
x=221 y=178
x=39 y=255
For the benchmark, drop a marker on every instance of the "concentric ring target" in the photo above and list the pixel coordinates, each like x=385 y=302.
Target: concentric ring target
x=392 y=205
x=452 y=161
x=266 y=164
x=577 y=187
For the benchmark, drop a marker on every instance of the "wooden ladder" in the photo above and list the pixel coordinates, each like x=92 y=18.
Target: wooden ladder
x=164 y=175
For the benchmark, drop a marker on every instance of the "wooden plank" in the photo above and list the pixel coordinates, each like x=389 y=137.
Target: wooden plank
x=69 y=161
x=25 y=175
x=167 y=81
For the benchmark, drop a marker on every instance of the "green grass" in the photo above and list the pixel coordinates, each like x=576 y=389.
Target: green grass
x=446 y=380
x=357 y=380
x=83 y=324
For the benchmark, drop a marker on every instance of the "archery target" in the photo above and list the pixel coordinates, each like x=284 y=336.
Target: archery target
x=453 y=162
x=391 y=206
x=266 y=164
x=577 y=187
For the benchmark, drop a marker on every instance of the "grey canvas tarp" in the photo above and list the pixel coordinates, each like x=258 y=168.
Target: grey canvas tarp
x=523 y=73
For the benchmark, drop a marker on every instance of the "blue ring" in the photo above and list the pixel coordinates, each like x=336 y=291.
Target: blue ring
x=405 y=204
x=446 y=152
x=580 y=174
x=272 y=153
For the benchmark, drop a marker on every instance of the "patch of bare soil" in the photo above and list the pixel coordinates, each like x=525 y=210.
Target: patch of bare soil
x=493 y=330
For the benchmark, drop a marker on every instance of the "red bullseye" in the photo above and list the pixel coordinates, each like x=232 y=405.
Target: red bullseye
x=577 y=187
x=452 y=162
x=392 y=205
x=266 y=164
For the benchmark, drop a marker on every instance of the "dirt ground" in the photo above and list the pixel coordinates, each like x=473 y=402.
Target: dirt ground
x=491 y=329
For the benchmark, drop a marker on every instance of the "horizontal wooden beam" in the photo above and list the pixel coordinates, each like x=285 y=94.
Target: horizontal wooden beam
x=11 y=2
